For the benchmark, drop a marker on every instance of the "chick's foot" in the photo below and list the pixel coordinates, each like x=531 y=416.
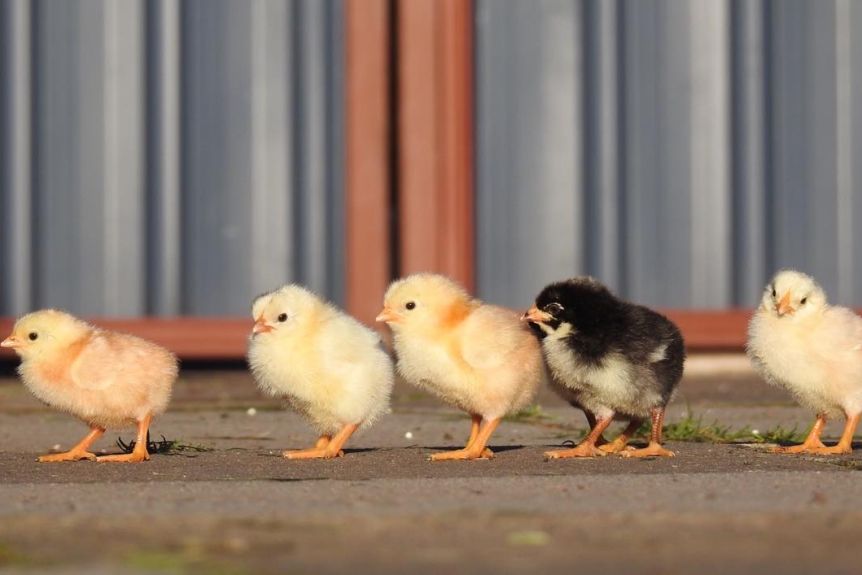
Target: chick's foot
x=616 y=446
x=313 y=453
x=462 y=454
x=651 y=450
x=73 y=455
x=834 y=450
x=582 y=450
x=807 y=447
x=134 y=457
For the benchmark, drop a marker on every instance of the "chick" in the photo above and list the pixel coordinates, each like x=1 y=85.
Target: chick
x=104 y=378
x=614 y=358
x=470 y=354
x=328 y=366
x=814 y=350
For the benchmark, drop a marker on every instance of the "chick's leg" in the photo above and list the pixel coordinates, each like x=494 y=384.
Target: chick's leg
x=621 y=441
x=475 y=425
x=812 y=443
x=845 y=445
x=475 y=449
x=591 y=421
x=654 y=449
x=139 y=453
x=330 y=450
x=79 y=452
x=586 y=448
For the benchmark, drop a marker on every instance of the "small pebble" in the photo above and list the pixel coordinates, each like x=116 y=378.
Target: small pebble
x=56 y=447
x=408 y=435
x=251 y=411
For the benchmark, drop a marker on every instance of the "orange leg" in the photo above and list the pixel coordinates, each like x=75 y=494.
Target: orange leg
x=812 y=443
x=621 y=441
x=586 y=448
x=591 y=421
x=331 y=449
x=78 y=452
x=845 y=445
x=140 y=452
x=654 y=449
x=476 y=449
x=475 y=425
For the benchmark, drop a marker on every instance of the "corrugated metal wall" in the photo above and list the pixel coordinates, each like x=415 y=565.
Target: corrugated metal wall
x=167 y=157
x=681 y=151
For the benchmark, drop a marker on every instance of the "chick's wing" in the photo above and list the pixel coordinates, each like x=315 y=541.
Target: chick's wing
x=844 y=330
x=490 y=336
x=106 y=360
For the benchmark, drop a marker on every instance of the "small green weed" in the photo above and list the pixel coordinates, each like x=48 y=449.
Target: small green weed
x=530 y=414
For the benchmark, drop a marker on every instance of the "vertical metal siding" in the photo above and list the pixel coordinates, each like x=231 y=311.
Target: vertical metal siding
x=168 y=157
x=713 y=143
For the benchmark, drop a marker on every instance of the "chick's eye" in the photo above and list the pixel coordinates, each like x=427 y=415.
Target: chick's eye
x=553 y=307
x=774 y=293
x=410 y=305
x=803 y=300
x=282 y=317
x=33 y=336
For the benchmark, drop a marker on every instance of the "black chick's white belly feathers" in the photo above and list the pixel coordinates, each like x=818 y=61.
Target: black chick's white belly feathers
x=613 y=358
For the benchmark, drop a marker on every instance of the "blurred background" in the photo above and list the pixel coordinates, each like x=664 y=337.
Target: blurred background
x=175 y=158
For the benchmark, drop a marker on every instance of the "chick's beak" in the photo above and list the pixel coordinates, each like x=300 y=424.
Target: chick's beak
x=260 y=326
x=387 y=315
x=784 y=306
x=535 y=315
x=11 y=341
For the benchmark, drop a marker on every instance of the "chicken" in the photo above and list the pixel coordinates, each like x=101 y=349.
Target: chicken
x=613 y=358
x=475 y=356
x=104 y=378
x=797 y=341
x=326 y=365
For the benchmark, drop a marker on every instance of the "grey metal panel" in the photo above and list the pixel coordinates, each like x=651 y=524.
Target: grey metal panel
x=87 y=224
x=15 y=154
x=164 y=173
x=852 y=255
x=751 y=231
x=186 y=155
x=527 y=130
x=721 y=143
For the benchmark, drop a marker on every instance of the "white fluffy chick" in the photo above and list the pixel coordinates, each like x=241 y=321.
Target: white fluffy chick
x=476 y=356
x=327 y=365
x=814 y=350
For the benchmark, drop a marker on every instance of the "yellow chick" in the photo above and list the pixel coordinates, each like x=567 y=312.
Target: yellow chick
x=104 y=378
x=814 y=350
x=478 y=357
x=328 y=366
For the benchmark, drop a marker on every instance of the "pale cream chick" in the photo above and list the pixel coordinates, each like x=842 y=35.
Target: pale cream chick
x=324 y=363
x=814 y=350
x=104 y=378
x=478 y=357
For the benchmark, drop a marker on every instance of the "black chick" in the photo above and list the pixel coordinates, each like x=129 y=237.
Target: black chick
x=611 y=357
